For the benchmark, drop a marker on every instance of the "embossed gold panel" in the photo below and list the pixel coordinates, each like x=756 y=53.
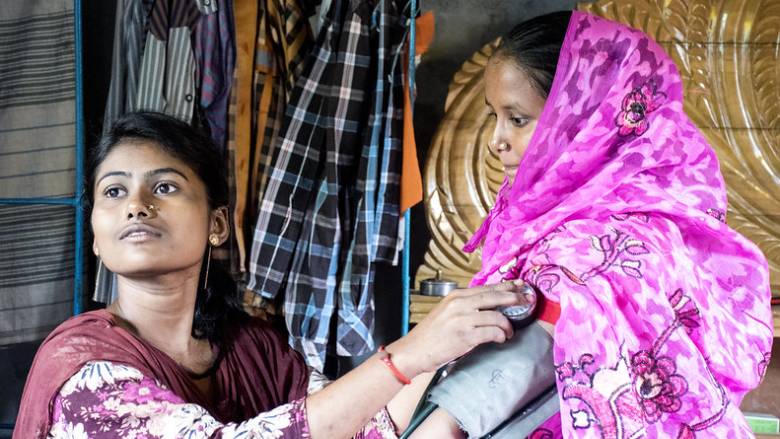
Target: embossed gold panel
x=728 y=54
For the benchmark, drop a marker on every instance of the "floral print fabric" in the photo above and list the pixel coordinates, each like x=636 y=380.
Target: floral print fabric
x=110 y=400
x=618 y=213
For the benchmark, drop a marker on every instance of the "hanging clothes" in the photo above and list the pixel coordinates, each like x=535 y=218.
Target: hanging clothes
x=155 y=66
x=37 y=160
x=129 y=36
x=411 y=181
x=376 y=193
x=215 y=55
x=315 y=233
x=167 y=77
x=273 y=39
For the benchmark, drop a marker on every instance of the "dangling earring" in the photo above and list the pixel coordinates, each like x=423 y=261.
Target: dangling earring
x=98 y=277
x=213 y=241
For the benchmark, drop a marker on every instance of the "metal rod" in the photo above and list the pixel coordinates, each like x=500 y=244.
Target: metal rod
x=405 y=277
x=79 y=262
x=57 y=201
x=405 y=297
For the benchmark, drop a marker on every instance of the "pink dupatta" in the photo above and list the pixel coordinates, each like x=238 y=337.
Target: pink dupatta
x=618 y=213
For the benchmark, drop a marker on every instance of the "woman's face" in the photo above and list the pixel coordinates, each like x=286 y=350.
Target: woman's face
x=516 y=106
x=151 y=214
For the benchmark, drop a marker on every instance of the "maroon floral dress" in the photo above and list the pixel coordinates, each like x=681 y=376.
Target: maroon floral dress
x=111 y=400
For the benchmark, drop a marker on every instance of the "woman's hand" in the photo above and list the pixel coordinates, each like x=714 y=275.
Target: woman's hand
x=463 y=320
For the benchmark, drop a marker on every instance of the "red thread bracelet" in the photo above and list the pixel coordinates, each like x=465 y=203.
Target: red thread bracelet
x=389 y=363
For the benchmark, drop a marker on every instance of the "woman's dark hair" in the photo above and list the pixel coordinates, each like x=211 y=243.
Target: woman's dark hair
x=218 y=306
x=534 y=46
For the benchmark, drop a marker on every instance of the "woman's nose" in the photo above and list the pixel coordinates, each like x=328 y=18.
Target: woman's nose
x=498 y=146
x=498 y=143
x=139 y=207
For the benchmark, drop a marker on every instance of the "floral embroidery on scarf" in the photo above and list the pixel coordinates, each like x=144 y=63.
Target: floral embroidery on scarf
x=764 y=364
x=625 y=216
x=543 y=277
x=510 y=270
x=541 y=433
x=637 y=104
x=646 y=387
x=658 y=386
x=717 y=214
x=609 y=404
x=572 y=277
x=685 y=311
x=618 y=249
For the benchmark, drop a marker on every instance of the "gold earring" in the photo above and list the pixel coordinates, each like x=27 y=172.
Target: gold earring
x=213 y=241
x=501 y=147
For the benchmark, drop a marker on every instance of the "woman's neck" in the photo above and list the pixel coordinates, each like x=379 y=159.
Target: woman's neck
x=160 y=310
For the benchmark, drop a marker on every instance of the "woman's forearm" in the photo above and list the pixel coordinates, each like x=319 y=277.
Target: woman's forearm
x=403 y=404
x=341 y=409
x=462 y=320
x=439 y=424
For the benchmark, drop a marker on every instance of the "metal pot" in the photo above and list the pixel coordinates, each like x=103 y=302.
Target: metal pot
x=437 y=286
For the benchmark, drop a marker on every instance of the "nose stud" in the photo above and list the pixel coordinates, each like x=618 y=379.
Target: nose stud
x=152 y=210
x=501 y=147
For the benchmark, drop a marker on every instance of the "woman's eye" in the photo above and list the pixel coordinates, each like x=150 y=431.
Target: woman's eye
x=113 y=192
x=165 y=188
x=519 y=121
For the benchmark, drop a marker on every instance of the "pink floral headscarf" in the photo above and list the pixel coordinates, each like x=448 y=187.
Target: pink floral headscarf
x=618 y=213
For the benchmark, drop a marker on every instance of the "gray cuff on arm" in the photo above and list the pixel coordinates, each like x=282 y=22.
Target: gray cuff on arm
x=496 y=380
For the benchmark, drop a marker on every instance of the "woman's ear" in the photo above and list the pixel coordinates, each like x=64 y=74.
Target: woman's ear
x=95 y=249
x=220 y=224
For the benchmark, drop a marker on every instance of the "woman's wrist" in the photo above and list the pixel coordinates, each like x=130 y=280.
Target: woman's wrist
x=403 y=360
x=387 y=359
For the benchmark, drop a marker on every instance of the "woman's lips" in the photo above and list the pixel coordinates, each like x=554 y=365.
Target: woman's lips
x=139 y=233
x=140 y=236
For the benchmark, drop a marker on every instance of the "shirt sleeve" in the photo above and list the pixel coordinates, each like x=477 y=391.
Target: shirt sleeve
x=107 y=399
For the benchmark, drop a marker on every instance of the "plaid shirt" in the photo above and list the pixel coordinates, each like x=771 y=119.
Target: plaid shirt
x=275 y=38
x=315 y=229
x=377 y=191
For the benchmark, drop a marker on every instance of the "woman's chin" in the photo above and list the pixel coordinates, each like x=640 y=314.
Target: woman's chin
x=143 y=267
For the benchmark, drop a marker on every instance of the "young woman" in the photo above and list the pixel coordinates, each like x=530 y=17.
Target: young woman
x=614 y=206
x=175 y=356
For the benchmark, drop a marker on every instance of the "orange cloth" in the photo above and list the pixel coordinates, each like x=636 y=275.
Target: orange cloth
x=425 y=26
x=411 y=177
x=246 y=34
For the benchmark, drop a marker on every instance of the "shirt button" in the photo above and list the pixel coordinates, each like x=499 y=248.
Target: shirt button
x=188 y=98
x=206 y=2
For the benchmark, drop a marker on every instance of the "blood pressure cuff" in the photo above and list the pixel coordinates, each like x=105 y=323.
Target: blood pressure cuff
x=496 y=381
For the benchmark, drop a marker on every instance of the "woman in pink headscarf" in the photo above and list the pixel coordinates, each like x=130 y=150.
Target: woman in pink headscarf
x=614 y=207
